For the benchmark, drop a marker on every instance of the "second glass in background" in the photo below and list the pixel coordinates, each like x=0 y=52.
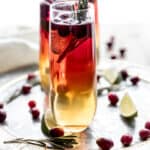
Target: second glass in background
x=44 y=39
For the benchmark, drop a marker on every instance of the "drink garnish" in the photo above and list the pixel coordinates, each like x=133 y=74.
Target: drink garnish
x=74 y=43
x=127 y=107
x=55 y=143
x=83 y=4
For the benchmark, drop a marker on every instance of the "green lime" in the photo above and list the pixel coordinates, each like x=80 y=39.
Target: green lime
x=111 y=75
x=127 y=107
x=47 y=122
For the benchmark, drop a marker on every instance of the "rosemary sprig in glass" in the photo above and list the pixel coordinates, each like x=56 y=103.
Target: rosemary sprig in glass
x=83 y=4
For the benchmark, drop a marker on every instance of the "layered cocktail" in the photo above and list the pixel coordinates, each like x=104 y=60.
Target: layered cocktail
x=44 y=38
x=72 y=65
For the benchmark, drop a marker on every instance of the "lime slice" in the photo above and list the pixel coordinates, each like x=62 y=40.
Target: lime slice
x=127 y=107
x=111 y=75
x=47 y=122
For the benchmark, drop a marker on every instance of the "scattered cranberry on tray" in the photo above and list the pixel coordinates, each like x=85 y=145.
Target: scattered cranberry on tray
x=35 y=113
x=144 y=134
x=62 y=88
x=110 y=43
x=135 y=80
x=147 y=125
x=113 y=57
x=122 y=52
x=113 y=99
x=31 y=76
x=3 y=116
x=32 y=104
x=1 y=105
x=98 y=78
x=124 y=74
x=126 y=139
x=56 y=132
x=26 y=89
x=104 y=144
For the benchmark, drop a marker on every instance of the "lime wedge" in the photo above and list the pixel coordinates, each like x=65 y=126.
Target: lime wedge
x=47 y=122
x=127 y=107
x=111 y=75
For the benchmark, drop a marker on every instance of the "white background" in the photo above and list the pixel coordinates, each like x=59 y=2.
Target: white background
x=26 y=12
x=127 y=20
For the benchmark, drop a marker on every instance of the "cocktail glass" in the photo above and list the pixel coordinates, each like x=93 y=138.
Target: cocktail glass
x=44 y=39
x=72 y=65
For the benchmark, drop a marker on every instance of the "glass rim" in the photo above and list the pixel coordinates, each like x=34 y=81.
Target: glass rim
x=69 y=11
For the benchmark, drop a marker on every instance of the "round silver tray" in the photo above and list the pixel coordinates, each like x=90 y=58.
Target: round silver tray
x=107 y=121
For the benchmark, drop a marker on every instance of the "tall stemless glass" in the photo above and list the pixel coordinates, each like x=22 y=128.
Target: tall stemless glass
x=72 y=65
x=44 y=39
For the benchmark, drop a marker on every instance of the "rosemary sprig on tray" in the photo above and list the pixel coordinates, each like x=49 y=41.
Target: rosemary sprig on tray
x=59 y=143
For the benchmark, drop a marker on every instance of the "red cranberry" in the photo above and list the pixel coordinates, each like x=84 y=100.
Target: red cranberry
x=80 y=31
x=147 y=125
x=63 y=30
x=35 y=113
x=126 y=140
x=56 y=132
x=122 y=52
x=32 y=104
x=124 y=74
x=2 y=116
x=109 y=45
x=26 y=89
x=64 y=16
x=98 y=78
x=135 y=80
x=113 y=57
x=1 y=105
x=53 y=25
x=113 y=98
x=31 y=76
x=62 y=88
x=144 y=134
x=105 y=144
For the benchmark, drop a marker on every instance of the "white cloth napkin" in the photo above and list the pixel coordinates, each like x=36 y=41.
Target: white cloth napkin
x=18 y=48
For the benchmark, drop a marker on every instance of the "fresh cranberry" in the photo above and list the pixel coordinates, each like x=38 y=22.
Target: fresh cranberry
x=105 y=144
x=63 y=30
x=1 y=105
x=144 y=134
x=63 y=7
x=31 y=77
x=135 y=80
x=98 y=78
x=113 y=57
x=56 y=132
x=124 y=74
x=2 y=116
x=35 y=113
x=109 y=45
x=53 y=25
x=26 y=89
x=80 y=31
x=32 y=104
x=122 y=52
x=147 y=125
x=62 y=88
x=64 y=16
x=126 y=140
x=113 y=98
